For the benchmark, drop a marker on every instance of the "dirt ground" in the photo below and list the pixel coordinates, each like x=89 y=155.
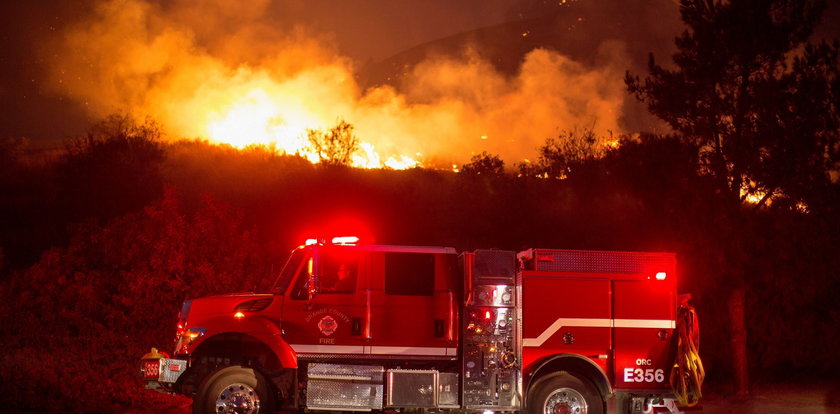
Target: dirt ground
x=777 y=399
x=819 y=398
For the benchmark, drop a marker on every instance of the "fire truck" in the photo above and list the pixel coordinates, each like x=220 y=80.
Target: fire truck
x=358 y=327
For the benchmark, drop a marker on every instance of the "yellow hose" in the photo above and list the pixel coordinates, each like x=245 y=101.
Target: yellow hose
x=688 y=373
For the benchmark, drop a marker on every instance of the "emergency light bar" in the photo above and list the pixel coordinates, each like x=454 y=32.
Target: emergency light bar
x=343 y=240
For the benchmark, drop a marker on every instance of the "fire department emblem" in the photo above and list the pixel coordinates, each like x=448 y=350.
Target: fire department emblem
x=327 y=325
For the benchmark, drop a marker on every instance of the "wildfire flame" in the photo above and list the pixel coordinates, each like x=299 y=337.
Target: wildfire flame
x=258 y=118
x=229 y=72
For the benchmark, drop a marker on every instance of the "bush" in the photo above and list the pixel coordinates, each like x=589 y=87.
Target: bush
x=80 y=319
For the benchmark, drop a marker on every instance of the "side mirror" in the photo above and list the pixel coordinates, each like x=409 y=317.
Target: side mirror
x=311 y=289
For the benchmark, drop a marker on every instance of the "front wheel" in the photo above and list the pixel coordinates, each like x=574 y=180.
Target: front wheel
x=564 y=393
x=234 y=389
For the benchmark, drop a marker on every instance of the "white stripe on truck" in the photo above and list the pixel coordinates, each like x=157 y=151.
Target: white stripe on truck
x=597 y=323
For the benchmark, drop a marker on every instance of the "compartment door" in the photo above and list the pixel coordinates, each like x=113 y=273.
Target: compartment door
x=565 y=314
x=644 y=312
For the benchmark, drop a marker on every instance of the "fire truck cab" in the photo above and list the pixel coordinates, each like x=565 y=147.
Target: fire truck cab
x=354 y=327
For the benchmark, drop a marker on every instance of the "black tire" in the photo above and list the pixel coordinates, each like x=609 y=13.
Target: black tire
x=564 y=392
x=234 y=389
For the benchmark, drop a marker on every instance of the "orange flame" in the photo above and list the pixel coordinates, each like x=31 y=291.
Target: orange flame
x=224 y=71
x=258 y=118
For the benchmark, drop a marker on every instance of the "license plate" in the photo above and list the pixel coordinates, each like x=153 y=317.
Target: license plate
x=151 y=369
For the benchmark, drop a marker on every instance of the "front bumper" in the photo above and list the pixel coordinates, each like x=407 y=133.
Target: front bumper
x=161 y=374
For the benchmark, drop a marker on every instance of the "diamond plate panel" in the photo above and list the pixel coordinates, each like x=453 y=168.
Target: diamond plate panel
x=344 y=387
x=591 y=261
x=171 y=369
x=449 y=390
x=412 y=388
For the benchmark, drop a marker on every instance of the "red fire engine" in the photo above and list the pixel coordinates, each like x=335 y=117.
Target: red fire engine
x=354 y=327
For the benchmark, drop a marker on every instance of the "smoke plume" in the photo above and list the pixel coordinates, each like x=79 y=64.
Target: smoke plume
x=227 y=71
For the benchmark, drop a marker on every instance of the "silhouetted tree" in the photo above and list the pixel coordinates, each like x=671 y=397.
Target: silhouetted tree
x=561 y=155
x=764 y=128
x=335 y=146
x=484 y=163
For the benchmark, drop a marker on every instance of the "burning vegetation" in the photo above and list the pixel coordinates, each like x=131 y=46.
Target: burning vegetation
x=225 y=72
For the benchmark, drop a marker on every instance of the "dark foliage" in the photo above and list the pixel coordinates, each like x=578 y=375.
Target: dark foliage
x=761 y=105
x=114 y=169
x=484 y=163
x=79 y=318
x=570 y=153
x=25 y=196
x=763 y=126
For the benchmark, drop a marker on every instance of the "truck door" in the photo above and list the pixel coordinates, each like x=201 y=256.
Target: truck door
x=414 y=309
x=332 y=320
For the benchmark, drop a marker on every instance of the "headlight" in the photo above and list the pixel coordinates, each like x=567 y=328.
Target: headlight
x=186 y=337
x=194 y=333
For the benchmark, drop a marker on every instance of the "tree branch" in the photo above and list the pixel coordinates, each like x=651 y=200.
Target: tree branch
x=764 y=199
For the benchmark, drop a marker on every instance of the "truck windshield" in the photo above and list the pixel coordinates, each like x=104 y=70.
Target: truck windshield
x=289 y=270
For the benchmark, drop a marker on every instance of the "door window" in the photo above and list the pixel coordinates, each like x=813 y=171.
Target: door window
x=338 y=271
x=411 y=274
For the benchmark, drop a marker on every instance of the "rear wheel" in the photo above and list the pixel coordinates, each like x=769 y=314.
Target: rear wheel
x=564 y=393
x=236 y=390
